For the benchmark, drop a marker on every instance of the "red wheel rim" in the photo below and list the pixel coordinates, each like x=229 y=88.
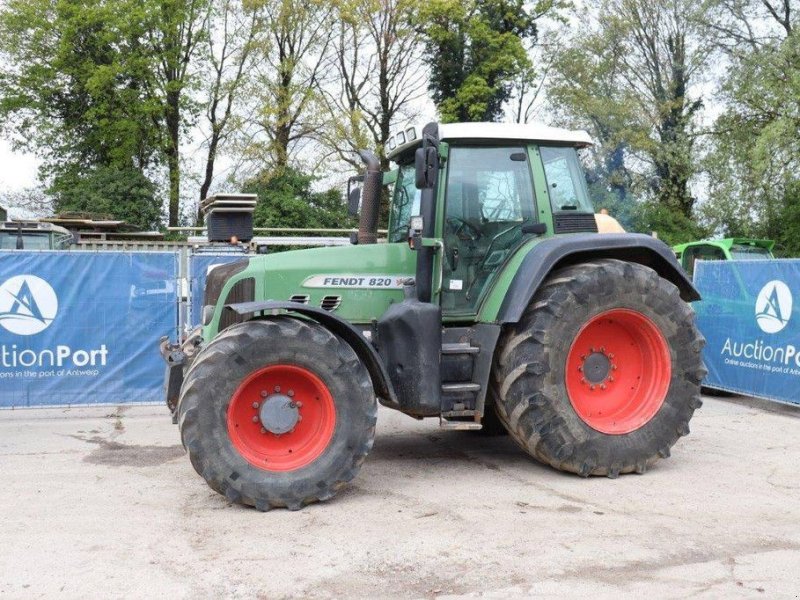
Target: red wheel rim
x=618 y=371
x=251 y=432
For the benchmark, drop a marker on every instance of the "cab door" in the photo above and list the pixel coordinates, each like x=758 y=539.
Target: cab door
x=488 y=198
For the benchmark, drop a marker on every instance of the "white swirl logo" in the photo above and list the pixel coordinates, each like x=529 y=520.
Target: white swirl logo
x=28 y=305
x=773 y=306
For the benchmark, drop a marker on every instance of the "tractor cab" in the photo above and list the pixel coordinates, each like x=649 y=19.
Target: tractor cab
x=499 y=185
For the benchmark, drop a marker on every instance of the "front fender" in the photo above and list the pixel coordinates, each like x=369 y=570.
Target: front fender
x=512 y=294
x=361 y=346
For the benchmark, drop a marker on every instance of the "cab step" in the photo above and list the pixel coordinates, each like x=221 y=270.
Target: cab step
x=453 y=388
x=459 y=425
x=459 y=348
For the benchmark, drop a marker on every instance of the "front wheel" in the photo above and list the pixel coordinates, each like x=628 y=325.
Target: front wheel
x=277 y=412
x=602 y=374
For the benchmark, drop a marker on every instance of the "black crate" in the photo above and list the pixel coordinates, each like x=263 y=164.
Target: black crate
x=222 y=226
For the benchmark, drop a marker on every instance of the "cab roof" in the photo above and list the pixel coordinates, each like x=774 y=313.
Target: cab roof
x=527 y=132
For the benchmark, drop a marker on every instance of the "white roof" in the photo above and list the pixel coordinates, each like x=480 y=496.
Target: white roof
x=534 y=132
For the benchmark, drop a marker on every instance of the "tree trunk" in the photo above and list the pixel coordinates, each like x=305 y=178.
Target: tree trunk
x=173 y=156
x=209 y=174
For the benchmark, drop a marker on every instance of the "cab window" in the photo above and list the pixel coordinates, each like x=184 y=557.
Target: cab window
x=405 y=203
x=694 y=253
x=565 y=181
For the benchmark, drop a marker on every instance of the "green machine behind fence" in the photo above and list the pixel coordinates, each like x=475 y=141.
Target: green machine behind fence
x=724 y=249
x=494 y=303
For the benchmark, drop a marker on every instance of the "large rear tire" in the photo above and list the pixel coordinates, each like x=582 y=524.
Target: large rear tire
x=277 y=412
x=602 y=374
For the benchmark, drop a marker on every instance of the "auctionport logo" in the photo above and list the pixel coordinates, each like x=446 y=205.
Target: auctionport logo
x=28 y=305
x=773 y=306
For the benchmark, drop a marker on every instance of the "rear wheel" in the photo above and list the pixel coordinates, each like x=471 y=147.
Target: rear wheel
x=277 y=412
x=602 y=374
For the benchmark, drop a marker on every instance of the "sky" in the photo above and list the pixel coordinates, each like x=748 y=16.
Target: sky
x=17 y=169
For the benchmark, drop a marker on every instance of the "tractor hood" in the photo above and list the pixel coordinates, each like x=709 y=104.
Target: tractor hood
x=357 y=282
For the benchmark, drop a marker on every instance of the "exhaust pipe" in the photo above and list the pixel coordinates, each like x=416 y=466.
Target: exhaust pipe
x=370 y=199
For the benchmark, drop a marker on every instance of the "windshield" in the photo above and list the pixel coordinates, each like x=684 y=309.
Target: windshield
x=405 y=203
x=31 y=241
x=565 y=181
x=739 y=252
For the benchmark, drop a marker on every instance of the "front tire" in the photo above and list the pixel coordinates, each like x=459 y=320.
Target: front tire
x=277 y=412
x=602 y=373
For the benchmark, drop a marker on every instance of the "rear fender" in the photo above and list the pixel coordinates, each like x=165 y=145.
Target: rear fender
x=557 y=252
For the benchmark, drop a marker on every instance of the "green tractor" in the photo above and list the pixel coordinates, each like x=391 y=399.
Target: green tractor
x=494 y=301
x=725 y=249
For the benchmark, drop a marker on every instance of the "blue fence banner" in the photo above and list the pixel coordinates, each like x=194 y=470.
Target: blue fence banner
x=200 y=265
x=750 y=317
x=83 y=328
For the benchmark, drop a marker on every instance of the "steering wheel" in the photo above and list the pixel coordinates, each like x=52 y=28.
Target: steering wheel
x=459 y=225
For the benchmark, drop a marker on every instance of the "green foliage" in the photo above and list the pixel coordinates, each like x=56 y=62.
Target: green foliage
x=71 y=89
x=125 y=194
x=672 y=226
x=287 y=200
x=753 y=165
x=475 y=50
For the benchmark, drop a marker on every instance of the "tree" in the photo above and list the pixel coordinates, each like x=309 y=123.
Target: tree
x=233 y=40
x=377 y=59
x=283 y=113
x=67 y=92
x=630 y=81
x=286 y=199
x=125 y=194
x=475 y=52
x=172 y=38
x=753 y=162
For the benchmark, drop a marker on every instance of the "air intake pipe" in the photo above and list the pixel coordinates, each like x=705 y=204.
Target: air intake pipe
x=370 y=199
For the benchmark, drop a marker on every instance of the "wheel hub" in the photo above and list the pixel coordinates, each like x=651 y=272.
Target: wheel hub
x=278 y=414
x=596 y=367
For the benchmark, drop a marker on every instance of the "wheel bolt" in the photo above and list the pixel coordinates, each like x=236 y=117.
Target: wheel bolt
x=610 y=355
x=298 y=404
x=255 y=419
x=611 y=378
x=290 y=393
x=263 y=430
x=613 y=367
x=277 y=388
x=299 y=418
x=583 y=380
x=603 y=349
x=591 y=387
x=602 y=386
x=580 y=368
x=255 y=405
x=264 y=393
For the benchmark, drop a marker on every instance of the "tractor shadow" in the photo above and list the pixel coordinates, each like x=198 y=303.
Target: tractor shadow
x=438 y=449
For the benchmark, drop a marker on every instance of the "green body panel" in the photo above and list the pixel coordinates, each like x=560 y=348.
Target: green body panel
x=494 y=299
x=358 y=274
x=726 y=244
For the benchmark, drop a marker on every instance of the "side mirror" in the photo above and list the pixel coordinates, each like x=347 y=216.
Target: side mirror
x=426 y=163
x=353 y=201
x=535 y=228
x=354 y=195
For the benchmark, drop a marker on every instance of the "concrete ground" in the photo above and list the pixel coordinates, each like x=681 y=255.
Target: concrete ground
x=102 y=502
